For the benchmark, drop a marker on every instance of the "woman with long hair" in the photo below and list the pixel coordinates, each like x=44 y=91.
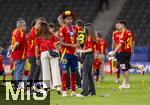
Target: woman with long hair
x=46 y=42
x=88 y=87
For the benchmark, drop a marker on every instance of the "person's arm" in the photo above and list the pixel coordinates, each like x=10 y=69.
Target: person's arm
x=19 y=39
x=84 y=51
x=133 y=44
x=37 y=55
x=113 y=44
x=15 y=46
x=118 y=47
x=69 y=45
x=112 y=53
x=37 y=50
x=56 y=44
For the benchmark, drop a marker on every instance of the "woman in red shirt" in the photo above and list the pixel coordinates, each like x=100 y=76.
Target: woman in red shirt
x=88 y=51
x=45 y=42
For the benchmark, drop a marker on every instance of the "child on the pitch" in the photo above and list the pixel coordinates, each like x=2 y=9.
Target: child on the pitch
x=96 y=67
x=101 y=49
x=125 y=48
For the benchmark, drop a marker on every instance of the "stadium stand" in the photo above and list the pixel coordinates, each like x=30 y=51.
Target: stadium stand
x=29 y=9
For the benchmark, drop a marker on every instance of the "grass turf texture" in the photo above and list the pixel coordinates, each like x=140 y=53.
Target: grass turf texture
x=138 y=94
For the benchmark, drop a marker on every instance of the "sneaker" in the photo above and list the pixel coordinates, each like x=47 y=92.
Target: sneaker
x=102 y=80
x=58 y=89
x=64 y=94
x=117 y=81
x=28 y=92
x=92 y=94
x=53 y=88
x=73 y=93
x=141 y=68
x=80 y=95
x=124 y=86
x=80 y=88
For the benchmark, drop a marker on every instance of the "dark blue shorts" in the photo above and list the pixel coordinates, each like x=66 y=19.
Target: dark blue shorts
x=124 y=61
x=117 y=57
x=69 y=62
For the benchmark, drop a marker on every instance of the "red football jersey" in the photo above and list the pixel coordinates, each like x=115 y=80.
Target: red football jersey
x=96 y=64
x=31 y=42
x=101 y=46
x=126 y=39
x=46 y=44
x=68 y=35
x=89 y=43
x=20 y=51
x=115 y=37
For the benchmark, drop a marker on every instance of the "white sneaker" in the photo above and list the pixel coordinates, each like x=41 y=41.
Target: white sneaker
x=79 y=88
x=102 y=80
x=80 y=95
x=117 y=81
x=53 y=88
x=73 y=93
x=141 y=68
x=28 y=92
x=124 y=86
x=58 y=89
x=64 y=94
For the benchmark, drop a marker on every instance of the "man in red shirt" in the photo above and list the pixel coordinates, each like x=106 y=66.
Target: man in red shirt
x=69 y=60
x=101 y=49
x=18 y=48
x=115 y=42
x=125 y=48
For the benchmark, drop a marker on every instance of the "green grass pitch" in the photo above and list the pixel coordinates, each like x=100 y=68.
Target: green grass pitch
x=138 y=94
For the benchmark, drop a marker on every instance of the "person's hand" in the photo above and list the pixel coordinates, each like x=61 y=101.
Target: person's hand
x=37 y=61
x=56 y=44
x=80 y=51
x=111 y=53
x=132 y=51
x=12 y=50
x=76 y=45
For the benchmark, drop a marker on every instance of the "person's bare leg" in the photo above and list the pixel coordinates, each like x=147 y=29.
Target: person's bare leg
x=138 y=67
x=126 y=77
x=134 y=67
